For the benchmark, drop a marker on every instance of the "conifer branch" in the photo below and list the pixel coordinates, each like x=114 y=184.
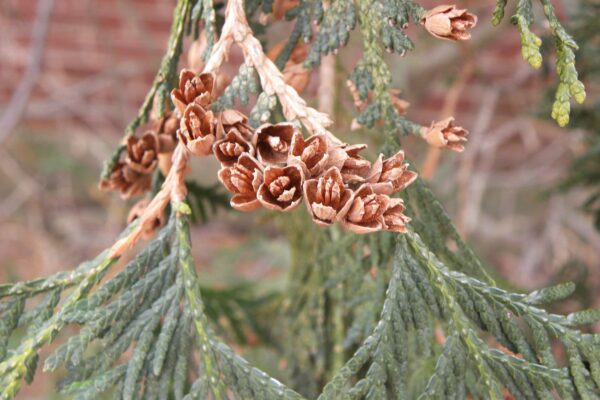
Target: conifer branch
x=354 y=303
x=569 y=85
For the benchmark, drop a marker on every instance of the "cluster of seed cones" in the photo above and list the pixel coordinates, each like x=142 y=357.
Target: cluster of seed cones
x=132 y=176
x=273 y=166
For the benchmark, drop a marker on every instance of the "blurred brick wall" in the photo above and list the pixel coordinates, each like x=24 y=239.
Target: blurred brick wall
x=99 y=60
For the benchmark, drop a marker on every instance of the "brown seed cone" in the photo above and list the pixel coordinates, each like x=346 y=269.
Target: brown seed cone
x=445 y=134
x=311 y=154
x=273 y=142
x=137 y=210
x=282 y=187
x=165 y=161
x=449 y=23
x=327 y=198
x=142 y=153
x=127 y=181
x=354 y=168
x=365 y=214
x=193 y=88
x=228 y=120
x=243 y=179
x=166 y=130
x=229 y=149
x=391 y=175
x=197 y=130
x=167 y=124
x=393 y=219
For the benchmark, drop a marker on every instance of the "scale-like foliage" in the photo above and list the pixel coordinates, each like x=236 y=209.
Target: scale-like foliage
x=363 y=317
x=584 y=169
x=569 y=83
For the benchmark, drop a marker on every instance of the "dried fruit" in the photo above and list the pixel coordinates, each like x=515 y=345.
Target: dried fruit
x=391 y=175
x=193 y=88
x=327 y=198
x=229 y=149
x=273 y=142
x=228 y=120
x=311 y=154
x=166 y=130
x=197 y=130
x=366 y=211
x=393 y=219
x=354 y=168
x=243 y=179
x=445 y=134
x=448 y=22
x=127 y=181
x=142 y=153
x=282 y=187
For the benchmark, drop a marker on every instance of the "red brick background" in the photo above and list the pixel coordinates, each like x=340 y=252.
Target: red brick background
x=98 y=62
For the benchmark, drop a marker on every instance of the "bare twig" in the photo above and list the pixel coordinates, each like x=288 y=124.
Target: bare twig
x=173 y=189
x=18 y=102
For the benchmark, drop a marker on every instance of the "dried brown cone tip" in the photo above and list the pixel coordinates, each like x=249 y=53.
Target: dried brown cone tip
x=445 y=134
x=282 y=187
x=449 y=23
x=365 y=214
x=273 y=142
x=353 y=167
x=294 y=72
x=229 y=149
x=393 y=219
x=193 y=88
x=391 y=175
x=127 y=181
x=243 y=179
x=166 y=130
x=228 y=120
x=150 y=228
x=235 y=136
x=142 y=153
x=327 y=198
x=311 y=154
x=197 y=130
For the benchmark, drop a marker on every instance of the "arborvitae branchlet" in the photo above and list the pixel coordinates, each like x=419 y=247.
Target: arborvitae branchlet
x=405 y=313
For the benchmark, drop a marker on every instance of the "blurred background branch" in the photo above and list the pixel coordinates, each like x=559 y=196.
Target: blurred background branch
x=19 y=101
